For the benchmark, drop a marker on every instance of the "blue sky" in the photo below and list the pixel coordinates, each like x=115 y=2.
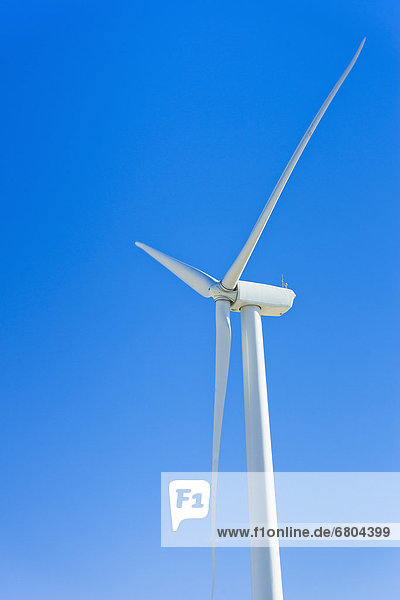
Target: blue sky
x=170 y=123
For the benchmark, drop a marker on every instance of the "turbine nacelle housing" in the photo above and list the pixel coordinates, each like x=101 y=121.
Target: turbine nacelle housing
x=272 y=300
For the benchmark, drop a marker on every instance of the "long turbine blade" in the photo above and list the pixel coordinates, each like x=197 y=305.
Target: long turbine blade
x=194 y=278
x=222 y=354
x=232 y=276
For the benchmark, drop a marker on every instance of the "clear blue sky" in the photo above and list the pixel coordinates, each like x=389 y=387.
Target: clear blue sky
x=170 y=123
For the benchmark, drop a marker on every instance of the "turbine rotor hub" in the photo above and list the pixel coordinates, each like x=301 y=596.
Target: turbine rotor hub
x=218 y=292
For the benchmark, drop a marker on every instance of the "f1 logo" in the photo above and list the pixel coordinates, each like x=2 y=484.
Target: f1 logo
x=188 y=499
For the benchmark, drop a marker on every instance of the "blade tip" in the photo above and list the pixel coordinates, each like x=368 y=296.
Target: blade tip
x=360 y=47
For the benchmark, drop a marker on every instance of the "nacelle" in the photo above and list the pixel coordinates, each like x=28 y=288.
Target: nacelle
x=272 y=300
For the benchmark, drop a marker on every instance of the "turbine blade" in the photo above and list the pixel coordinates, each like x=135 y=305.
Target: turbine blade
x=194 y=278
x=233 y=274
x=222 y=354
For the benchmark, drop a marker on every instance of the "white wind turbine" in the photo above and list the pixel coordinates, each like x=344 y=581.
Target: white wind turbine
x=252 y=300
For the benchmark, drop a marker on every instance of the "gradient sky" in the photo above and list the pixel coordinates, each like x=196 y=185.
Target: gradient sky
x=170 y=123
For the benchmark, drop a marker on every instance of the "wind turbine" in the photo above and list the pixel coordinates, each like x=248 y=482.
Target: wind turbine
x=252 y=300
